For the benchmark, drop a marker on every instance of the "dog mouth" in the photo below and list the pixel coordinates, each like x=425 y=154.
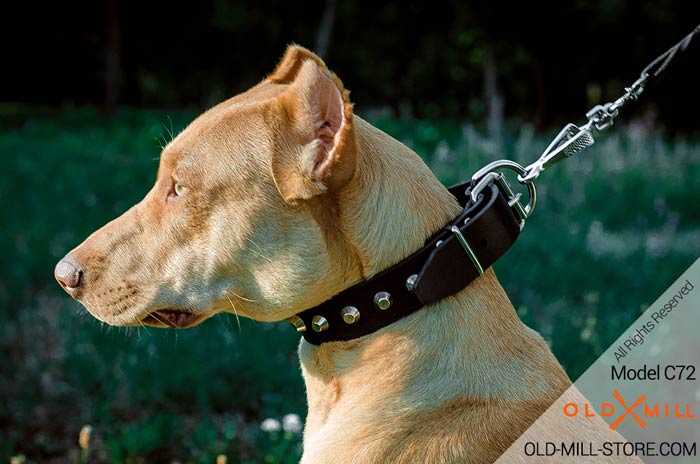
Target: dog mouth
x=174 y=318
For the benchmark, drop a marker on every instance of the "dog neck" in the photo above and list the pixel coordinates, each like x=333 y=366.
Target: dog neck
x=392 y=203
x=464 y=346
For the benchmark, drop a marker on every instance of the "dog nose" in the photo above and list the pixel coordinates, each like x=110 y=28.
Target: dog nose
x=69 y=274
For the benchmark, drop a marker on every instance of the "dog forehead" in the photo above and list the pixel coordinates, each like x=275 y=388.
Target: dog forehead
x=220 y=132
x=252 y=101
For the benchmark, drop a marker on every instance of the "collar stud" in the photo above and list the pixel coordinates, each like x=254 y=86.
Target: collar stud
x=350 y=314
x=298 y=323
x=411 y=282
x=382 y=300
x=319 y=323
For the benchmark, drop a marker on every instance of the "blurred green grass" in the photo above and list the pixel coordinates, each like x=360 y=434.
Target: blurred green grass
x=613 y=228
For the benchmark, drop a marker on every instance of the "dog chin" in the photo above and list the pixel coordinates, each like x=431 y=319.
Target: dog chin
x=173 y=318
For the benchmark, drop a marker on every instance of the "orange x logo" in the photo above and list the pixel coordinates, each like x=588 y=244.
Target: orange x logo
x=628 y=410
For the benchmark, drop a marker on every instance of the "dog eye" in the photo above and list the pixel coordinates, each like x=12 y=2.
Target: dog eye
x=179 y=189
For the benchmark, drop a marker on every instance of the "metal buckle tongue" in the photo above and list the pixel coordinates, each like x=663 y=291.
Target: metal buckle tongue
x=570 y=140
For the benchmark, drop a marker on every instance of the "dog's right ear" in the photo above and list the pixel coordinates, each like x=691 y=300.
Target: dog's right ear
x=317 y=152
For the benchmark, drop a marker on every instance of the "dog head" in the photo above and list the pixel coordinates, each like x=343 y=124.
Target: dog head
x=241 y=216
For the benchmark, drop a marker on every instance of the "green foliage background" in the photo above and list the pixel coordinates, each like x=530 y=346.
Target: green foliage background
x=614 y=227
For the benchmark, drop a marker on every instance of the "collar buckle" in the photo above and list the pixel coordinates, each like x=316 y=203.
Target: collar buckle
x=491 y=173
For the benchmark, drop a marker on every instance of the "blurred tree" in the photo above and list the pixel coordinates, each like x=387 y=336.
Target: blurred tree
x=425 y=59
x=112 y=56
x=323 y=37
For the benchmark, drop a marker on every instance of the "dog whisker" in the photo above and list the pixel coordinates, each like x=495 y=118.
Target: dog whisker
x=235 y=312
x=172 y=131
x=239 y=296
x=168 y=132
x=144 y=328
x=159 y=142
x=259 y=251
x=253 y=242
x=153 y=315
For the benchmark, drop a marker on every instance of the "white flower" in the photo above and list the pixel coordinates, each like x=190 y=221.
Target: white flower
x=270 y=425
x=291 y=423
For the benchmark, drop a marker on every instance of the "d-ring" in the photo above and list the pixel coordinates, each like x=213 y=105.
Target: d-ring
x=490 y=173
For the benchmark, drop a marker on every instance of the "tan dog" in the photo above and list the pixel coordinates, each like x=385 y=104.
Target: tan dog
x=279 y=198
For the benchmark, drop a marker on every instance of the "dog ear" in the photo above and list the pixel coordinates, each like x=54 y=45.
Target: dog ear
x=319 y=152
x=288 y=68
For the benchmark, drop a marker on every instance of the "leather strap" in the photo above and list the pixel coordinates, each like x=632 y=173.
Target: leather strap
x=442 y=267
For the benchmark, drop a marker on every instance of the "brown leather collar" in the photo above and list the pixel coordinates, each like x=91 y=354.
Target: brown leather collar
x=449 y=260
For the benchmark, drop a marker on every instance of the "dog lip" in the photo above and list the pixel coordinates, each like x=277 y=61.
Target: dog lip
x=174 y=318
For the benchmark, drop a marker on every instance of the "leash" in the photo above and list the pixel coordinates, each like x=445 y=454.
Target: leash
x=573 y=139
x=492 y=218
